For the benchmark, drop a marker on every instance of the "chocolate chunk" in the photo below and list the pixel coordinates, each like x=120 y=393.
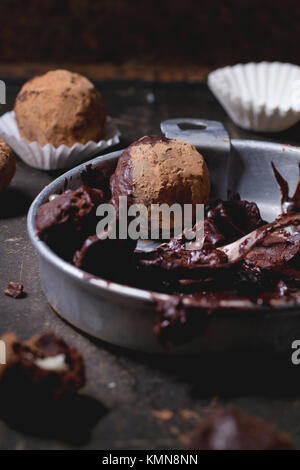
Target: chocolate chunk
x=289 y=205
x=233 y=219
x=231 y=429
x=65 y=221
x=70 y=207
x=14 y=289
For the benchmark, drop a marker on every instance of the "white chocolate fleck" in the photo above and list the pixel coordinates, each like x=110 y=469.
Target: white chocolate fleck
x=53 y=363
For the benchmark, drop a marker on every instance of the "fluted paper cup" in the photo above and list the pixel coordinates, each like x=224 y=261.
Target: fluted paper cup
x=263 y=97
x=50 y=157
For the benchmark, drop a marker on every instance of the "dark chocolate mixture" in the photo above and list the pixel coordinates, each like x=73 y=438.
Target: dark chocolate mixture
x=199 y=280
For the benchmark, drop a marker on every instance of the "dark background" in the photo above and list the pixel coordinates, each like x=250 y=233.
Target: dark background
x=178 y=34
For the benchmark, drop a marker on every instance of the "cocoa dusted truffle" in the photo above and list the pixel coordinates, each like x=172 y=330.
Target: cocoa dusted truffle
x=230 y=429
x=44 y=364
x=157 y=170
x=60 y=107
x=7 y=165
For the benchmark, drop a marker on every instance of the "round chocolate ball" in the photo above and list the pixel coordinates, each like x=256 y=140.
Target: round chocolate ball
x=60 y=107
x=157 y=170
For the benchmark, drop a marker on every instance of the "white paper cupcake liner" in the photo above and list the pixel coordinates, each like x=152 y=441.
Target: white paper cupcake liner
x=50 y=157
x=263 y=97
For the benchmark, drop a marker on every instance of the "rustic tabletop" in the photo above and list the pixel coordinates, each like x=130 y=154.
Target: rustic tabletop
x=131 y=401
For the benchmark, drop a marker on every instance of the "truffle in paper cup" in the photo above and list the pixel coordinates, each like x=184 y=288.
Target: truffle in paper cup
x=263 y=97
x=49 y=157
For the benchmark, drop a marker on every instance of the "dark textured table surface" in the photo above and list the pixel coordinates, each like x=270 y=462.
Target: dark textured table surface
x=131 y=401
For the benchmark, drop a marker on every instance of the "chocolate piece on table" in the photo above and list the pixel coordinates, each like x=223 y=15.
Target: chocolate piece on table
x=231 y=429
x=14 y=289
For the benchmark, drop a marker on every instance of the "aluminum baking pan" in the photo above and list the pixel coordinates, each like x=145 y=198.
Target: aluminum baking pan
x=124 y=315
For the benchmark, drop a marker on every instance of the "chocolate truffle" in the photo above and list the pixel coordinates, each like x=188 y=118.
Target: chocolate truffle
x=44 y=364
x=7 y=165
x=157 y=170
x=230 y=429
x=60 y=107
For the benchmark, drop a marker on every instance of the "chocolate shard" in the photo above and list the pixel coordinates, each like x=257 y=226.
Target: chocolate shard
x=233 y=219
x=289 y=205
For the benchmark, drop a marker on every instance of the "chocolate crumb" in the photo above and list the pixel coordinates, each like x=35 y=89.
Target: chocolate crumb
x=15 y=290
